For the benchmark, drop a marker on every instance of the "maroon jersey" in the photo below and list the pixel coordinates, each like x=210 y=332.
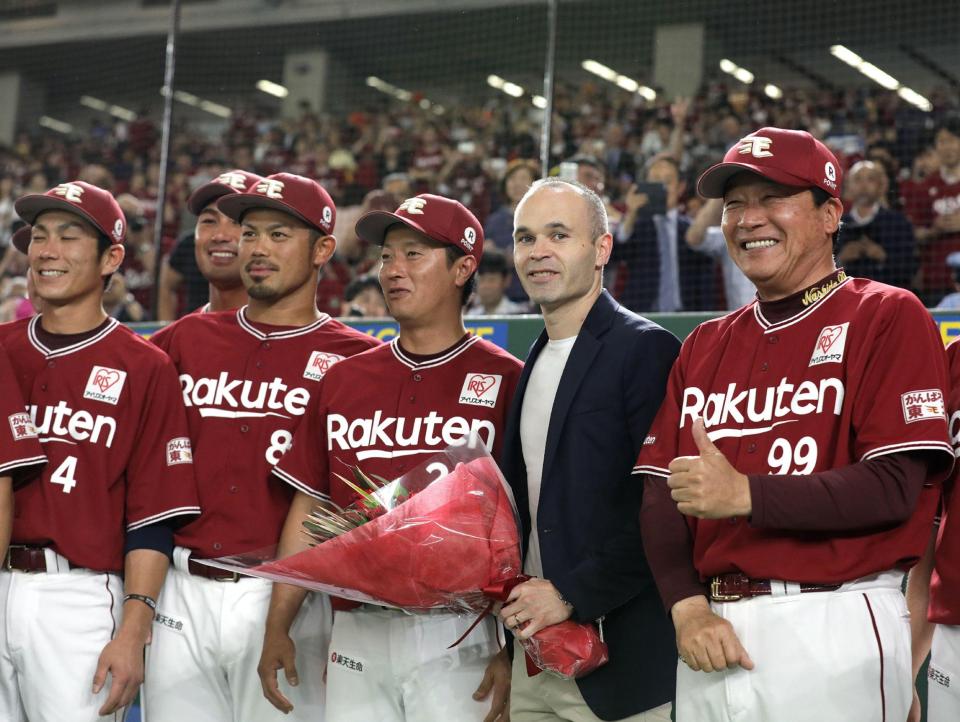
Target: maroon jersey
x=857 y=371
x=936 y=197
x=113 y=428
x=19 y=446
x=245 y=387
x=385 y=412
x=945 y=583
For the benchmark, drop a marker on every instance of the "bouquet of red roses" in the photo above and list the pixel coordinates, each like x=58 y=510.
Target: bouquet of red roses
x=440 y=536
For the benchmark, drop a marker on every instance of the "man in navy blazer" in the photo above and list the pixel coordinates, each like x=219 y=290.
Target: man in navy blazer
x=591 y=386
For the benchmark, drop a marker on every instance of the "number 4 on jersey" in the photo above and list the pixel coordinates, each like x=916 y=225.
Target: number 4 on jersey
x=65 y=474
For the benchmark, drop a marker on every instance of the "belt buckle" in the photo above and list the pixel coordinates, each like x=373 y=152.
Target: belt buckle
x=233 y=578
x=8 y=560
x=716 y=596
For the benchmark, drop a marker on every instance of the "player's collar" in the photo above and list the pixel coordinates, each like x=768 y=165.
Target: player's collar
x=247 y=326
x=776 y=315
x=439 y=360
x=34 y=338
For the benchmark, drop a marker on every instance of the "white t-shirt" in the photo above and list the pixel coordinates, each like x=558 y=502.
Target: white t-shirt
x=534 y=422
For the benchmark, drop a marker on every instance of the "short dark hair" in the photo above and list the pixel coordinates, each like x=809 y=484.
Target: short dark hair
x=493 y=261
x=950 y=123
x=103 y=245
x=360 y=284
x=453 y=253
x=820 y=197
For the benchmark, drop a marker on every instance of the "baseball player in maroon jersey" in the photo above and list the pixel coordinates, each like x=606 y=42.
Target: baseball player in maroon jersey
x=104 y=403
x=386 y=411
x=246 y=376
x=933 y=590
x=793 y=468
x=935 y=212
x=216 y=240
x=20 y=450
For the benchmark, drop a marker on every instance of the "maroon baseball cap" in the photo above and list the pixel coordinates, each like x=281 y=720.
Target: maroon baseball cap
x=233 y=181
x=92 y=203
x=301 y=197
x=789 y=157
x=442 y=219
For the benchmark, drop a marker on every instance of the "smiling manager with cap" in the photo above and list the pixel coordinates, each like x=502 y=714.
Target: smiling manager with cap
x=792 y=472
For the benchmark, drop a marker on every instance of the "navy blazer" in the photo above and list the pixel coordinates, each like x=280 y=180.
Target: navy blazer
x=588 y=514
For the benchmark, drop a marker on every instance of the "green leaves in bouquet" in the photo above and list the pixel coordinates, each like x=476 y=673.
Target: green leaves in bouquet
x=328 y=519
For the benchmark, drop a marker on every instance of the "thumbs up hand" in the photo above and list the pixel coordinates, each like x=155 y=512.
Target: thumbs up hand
x=707 y=486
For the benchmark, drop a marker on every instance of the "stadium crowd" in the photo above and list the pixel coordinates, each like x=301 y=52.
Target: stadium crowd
x=902 y=195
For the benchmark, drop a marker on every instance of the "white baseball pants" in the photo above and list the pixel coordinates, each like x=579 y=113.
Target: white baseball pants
x=388 y=666
x=53 y=626
x=842 y=655
x=207 y=638
x=943 y=675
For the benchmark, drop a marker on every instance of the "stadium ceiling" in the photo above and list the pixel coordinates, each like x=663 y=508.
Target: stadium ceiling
x=447 y=48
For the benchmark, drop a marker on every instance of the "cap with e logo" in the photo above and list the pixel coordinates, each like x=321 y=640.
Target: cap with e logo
x=94 y=204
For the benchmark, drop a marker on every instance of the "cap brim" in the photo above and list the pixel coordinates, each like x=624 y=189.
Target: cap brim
x=206 y=194
x=234 y=205
x=31 y=206
x=372 y=227
x=21 y=238
x=713 y=182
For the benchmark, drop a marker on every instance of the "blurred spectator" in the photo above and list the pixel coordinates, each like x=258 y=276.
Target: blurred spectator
x=493 y=279
x=139 y=257
x=14 y=299
x=498 y=230
x=397 y=185
x=937 y=219
x=662 y=272
x=951 y=302
x=180 y=274
x=363 y=298
x=120 y=303
x=706 y=236
x=875 y=242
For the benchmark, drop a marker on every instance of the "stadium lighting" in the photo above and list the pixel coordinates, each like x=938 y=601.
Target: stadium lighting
x=880 y=77
x=53 y=124
x=539 y=101
x=772 y=91
x=209 y=106
x=186 y=98
x=600 y=70
x=621 y=81
x=95 y=103
x=118 y=111
x=741 y=74
x=271 y=88
x=511 y=89
x=384 y=87
x=914 y=98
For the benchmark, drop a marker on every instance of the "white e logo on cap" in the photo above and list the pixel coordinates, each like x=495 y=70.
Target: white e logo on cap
x=756 y=146
x=413 y=206
x=271 y=188
x=70 y=191
x=234 y=180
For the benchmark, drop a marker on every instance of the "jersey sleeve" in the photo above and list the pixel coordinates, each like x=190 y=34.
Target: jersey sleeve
x=19 y=445
x=160 y=477
x=304 y=465
x=901 y=396
x=662 y=442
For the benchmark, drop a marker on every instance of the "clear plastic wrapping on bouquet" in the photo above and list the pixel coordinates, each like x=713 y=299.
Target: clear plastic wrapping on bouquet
x=443 y=532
